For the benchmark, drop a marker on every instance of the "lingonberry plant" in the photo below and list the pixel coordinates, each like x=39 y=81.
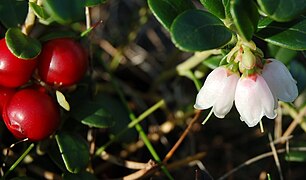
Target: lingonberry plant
x=75 y=76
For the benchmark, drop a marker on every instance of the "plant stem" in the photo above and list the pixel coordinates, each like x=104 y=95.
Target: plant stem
x=193 y=61
x=196 y=82
x=185 y=66
x=137 y=126
x=29 y=21
x=26 y=152
x=131 y=125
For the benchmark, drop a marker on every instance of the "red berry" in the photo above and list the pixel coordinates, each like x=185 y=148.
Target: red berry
x=14 y=72
x=5 y=95
x=62 y=62
x=31 y=114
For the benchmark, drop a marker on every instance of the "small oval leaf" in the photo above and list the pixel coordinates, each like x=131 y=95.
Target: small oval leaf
x=62 y=100
x=245 y=16
x=291 y=35
x=39 y=11
x=74 y=151
x=215 y=7
x=99 y=119
x=282 y=10
x=22 y=46
x=196 y=30
x=167 y=10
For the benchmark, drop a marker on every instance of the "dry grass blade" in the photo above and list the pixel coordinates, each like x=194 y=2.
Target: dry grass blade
x=259 y=157
x=279 y=169
x=178 y=143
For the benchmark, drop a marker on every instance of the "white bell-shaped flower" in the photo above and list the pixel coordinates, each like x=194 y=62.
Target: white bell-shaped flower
x=253 y=99
x=218 y=91
x=280 y=81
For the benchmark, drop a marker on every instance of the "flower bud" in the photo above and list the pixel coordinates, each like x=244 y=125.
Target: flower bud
x=248 y=59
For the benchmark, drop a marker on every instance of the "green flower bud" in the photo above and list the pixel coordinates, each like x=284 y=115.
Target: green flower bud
x=248 y=59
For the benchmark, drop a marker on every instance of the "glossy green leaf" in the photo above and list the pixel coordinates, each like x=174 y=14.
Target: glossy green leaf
x=79 y=176
x=55 y=155
x=65 y=12
x=13 y=12
x=215 y=7
x=99 y=119
x=74 y=150
x=22 y=46
x=245 y=16
x=196 y=30
x=291 y=35
x=296 y=156
x=39 y=11
x=94 y=2
x=167 y=10
x=282 y=10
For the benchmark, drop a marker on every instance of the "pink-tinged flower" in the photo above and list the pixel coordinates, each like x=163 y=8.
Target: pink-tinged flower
x=218 y=91
x=280 y=81
x=253 y=99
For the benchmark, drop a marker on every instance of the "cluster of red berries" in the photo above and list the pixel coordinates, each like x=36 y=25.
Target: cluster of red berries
x=28 y=111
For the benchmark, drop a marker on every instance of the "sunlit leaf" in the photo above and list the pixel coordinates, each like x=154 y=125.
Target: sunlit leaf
x=39 y=11
x=74 y=151
x=22 y=46
x=62 y=100
x=99 y=119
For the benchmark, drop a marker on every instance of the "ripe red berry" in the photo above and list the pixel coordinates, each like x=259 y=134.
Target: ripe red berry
x=62 y=62
x=5 y=95
x=14 y=72
x=31 y=114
